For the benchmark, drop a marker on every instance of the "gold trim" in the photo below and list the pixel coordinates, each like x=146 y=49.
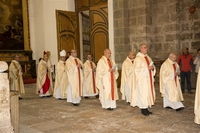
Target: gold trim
x=26 y=25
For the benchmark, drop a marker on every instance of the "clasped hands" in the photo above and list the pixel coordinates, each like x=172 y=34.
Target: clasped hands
x=79 y=65
x=111 y=70
x=150 y=68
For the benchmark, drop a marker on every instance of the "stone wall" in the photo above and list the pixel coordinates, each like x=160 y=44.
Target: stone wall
x=121 y=30
x=189 y=25
x=165 y=25
x=5 y=120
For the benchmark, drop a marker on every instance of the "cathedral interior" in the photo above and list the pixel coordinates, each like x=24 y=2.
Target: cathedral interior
x=29 y=27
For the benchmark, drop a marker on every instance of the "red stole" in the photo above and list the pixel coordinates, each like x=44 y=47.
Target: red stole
x=79 y=77
x=46 y=84
x=150 y=74
x=112 y=79
x=175 y=73
x=94 y=86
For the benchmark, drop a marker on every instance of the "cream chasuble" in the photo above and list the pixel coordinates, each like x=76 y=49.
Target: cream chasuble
x=197 y=101
x=168 y=79
x=143 y=92
x=43 y=72
x=126 y=79
x=105 y=83
x=75 y=77
x=89 y=79
x=61 y=80
x=15 y=77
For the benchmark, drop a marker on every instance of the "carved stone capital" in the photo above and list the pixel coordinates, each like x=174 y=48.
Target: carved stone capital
x=3 y=66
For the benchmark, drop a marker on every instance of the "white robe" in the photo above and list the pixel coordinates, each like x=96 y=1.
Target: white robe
x=126 y=79
x=197 y=101
x=103 y=83
x=74 y=89
x=169 y=89
x=143 y=95
x=61 y=81
x=89 y=82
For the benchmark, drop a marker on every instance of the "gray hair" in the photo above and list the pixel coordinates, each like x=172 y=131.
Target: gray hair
x=172 y=54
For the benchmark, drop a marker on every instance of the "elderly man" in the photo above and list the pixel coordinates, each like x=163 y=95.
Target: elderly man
x=44 y=79
x=127 y=77
x=89 y=86
x=15 y=76
x=143 y=92
x=106 y=75
x=197 y=101
x=74 y=72
x=169 y=84
x=61 y=80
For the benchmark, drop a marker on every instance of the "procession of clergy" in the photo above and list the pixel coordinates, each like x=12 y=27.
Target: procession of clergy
x=75 y=79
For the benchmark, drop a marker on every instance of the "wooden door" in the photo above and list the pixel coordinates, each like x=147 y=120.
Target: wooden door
x=99 y=30
x=67 y=31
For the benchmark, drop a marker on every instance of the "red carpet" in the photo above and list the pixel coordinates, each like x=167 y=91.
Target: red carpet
x=29 y=81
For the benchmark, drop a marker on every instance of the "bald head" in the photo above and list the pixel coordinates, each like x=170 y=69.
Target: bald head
x=172 y=57
x=143 y=48
x=131 y=55
x=107 y=53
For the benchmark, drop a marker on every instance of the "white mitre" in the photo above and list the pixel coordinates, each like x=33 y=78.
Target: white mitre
x=63 y=53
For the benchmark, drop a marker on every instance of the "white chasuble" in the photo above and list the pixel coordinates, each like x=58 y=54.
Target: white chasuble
x=106 y=82
x=75 y=77
x=61 y=80
x=126 y=79
x=197 y=101
x=143 y=92
x=89 y=85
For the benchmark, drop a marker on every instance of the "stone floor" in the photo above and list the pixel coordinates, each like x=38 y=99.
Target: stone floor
x=48 y=115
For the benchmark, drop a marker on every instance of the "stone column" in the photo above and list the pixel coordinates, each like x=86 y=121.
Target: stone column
x=121 y=30
x=5 y=119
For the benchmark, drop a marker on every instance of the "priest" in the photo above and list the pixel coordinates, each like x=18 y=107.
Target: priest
x=127 y=77
x=15 y=76
x=89 y=86
x=61 y=80
x=44 y=78
x=170 y=88
x=106 y=75
x=75 y=74
x=143 y=92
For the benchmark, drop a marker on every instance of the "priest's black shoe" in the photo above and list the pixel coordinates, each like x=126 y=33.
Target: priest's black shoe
x=109 y=108
x=97 y=96
x=168 y=107
x=149 y=112
x=179 y=109
x=145 y=112
x=75 y=104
